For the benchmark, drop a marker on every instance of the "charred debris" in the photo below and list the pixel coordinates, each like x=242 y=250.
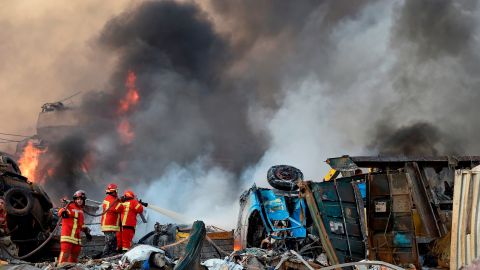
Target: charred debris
x=394 y=212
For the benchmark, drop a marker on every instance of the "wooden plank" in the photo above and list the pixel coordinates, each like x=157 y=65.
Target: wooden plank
x=454 y=250
x=220 y=235
x=474 y=216
x=464 y=217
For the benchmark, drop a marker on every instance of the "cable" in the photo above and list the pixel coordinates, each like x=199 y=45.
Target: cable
x=2 y=246
x=381 y=263
x=8 y=140
x=15 y=135
x=101 y=214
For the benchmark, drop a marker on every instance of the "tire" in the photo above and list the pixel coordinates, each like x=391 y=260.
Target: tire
x=284 y=177
x=18 y=201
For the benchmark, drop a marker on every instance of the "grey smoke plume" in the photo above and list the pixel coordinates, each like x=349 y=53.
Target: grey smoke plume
x=189 y=105
x=437 y=51
x=228 y=89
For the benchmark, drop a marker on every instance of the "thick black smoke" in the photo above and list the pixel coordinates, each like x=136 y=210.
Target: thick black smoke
x=418 y=139
x=64 y=166
x=189 y=106
x=213 y=79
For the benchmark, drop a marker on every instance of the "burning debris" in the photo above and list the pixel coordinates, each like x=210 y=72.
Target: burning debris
x=223 y=85
x=402 y=202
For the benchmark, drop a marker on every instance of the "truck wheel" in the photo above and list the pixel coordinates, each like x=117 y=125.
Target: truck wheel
x=18 y=201
x=284 y=177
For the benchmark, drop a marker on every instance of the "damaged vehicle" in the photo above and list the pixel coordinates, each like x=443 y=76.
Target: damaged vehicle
x=288 y=218
x=272 y=216
x=29 y=216
x=396 y=210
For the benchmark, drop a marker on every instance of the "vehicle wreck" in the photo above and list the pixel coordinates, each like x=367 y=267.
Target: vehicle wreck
x=396 y=212
x=402 y=217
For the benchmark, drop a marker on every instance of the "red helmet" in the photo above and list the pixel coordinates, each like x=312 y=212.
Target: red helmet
x=129 y=194
x=79 y=194
x=111 y=188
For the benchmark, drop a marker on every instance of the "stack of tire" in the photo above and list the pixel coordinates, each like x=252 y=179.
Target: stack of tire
x=284 y=177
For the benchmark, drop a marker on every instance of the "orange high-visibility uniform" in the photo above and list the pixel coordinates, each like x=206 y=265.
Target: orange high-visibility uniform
x=70 y=237
x=111 y=219
x=129 y=220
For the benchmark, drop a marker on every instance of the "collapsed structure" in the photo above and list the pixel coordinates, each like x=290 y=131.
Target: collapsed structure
x=368 y=210
x=393 y=209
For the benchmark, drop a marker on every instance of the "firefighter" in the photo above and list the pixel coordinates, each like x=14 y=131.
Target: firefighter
x=131 y=208
x=112 y=208
x=72 y=225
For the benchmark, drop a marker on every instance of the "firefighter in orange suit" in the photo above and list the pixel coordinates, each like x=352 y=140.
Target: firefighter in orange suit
x=72 y=225
x=112 y=208
x=131 y=208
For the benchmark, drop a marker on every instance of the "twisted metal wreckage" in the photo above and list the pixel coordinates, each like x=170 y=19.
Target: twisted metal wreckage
x=389 y=211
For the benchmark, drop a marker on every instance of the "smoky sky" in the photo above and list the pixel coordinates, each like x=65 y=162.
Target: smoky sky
x=434 y=76
x=188 y=106
x=248 y=84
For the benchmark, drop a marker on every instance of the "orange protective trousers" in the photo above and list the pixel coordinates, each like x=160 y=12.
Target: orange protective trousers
x=124 y=238
x=69 y=252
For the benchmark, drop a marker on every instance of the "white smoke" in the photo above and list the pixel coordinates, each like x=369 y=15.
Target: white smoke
x=196 y=191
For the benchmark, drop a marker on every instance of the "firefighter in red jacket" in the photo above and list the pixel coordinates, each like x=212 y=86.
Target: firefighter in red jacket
x=110 y=223
x=131 y=208
x=72 y=225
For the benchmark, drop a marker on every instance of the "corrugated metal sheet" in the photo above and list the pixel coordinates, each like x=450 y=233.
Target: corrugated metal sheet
x=465 y=242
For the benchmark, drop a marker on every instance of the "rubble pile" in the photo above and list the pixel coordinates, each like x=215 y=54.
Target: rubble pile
x=401 y=214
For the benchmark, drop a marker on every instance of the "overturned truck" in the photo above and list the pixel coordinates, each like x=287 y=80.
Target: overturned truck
x=392 y=209
x=29 y=209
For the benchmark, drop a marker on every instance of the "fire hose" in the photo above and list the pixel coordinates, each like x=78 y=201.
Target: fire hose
x=2 y=246
x=106 y=210
x=93 y=214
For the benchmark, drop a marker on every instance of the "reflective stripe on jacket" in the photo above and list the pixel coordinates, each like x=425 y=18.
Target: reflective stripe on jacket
x=111 y=219
x=130 y=210
x=73 y=224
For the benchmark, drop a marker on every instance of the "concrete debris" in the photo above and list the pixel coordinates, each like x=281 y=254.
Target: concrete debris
x=218 y=264
x=139 y=253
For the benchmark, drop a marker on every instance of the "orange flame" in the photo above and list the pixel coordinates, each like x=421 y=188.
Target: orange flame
x=129 y=101
x=125 y=131
x=28 y=162
x=132 y=97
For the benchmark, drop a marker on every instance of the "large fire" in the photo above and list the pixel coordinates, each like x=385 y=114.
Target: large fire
x=132 y=97
x=129 y=101
x=28 y=162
